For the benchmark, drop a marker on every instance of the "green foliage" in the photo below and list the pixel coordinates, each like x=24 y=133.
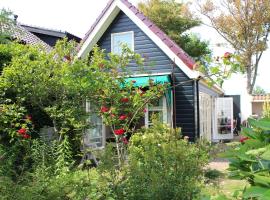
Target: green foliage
x=217 y=69
x=5 y=56
x=250 y=160
x=258 y=91
x=12 y=118
x=6 y=22
x=163 y=166
x=58 y=85
x=245 y=29
x=266 y=108
x=175 y=20
x=213 y=174
x=46 y=179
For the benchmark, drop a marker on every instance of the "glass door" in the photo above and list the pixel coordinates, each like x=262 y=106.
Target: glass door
x=223 y=119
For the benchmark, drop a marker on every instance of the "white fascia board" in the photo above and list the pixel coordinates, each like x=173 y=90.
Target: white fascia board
x=98 y=31
x=215 y=87
x=190 y=73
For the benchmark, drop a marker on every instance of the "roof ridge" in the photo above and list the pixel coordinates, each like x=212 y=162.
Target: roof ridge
x=41 y=27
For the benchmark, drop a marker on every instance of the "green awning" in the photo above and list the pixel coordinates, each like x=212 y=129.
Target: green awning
x=144 y=80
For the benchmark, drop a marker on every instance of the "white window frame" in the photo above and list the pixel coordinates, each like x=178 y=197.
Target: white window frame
x=122 y=33
x=164 y=110
x=103 y=134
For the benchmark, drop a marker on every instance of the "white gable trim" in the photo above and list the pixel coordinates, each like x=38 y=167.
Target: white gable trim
x=99 y=30
x=107 y=19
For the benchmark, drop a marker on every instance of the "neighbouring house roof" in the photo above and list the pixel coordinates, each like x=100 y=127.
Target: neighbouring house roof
x=260 y=98
x=50 y=32
x=21 y=34
x=170 y=48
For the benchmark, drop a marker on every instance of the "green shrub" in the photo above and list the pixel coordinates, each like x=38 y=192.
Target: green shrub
x=48 y=174
x=75 y=185
x=163 y=166
x=250 y=159
x=213 y=174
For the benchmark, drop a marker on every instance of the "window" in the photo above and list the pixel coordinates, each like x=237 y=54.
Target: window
x=120 y=39
x=161 y=108
x=94 y=136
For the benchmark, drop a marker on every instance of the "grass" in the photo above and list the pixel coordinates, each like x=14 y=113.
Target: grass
x=217 y=180
x=224 y=186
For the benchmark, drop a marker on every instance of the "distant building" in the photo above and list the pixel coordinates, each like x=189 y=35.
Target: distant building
x=50 y=36
x=257 y=104
x=19 y=33
x=35 y=35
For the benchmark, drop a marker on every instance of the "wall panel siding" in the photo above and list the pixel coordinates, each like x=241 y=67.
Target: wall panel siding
x=156 y=61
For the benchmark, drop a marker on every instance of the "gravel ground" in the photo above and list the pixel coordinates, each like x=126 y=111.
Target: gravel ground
x=219 y=164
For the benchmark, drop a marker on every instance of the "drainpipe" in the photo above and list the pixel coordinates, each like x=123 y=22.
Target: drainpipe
x=196 y=109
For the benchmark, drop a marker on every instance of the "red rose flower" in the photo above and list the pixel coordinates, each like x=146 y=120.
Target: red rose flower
x=104 y=109
x=124 y=100
x=125 y=140
x=119 y=131
x=145 y=110
x=123 y=117
x=227 y=55
x=26 y=136
x=22 y=131
x=242 y=140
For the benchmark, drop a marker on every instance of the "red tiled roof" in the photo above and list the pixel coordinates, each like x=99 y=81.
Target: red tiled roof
x=165 y=38
x=261 y=98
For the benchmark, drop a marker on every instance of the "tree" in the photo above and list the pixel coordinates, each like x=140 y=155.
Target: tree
x=6 y=21
x=245 y=25
x=259 y=91
x=175 y=20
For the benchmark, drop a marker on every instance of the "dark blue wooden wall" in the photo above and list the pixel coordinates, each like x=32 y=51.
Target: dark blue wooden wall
x=157 y=62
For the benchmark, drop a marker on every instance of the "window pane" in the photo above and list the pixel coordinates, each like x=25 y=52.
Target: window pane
x=93 y=136
x=121 y=39
x=224 y=118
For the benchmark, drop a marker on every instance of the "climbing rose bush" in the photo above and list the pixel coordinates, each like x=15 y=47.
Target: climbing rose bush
x=119 y=102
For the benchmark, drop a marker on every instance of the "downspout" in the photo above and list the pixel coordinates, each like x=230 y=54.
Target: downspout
x=196 y=109
x=174 y=96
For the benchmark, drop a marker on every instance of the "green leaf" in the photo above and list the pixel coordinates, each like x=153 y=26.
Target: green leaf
x=262 y=180
x=261 y=193
x=266 y=154
x=248 y=132
x=262 y=124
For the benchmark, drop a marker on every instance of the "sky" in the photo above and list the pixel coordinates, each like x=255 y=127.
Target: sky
x=77 y=16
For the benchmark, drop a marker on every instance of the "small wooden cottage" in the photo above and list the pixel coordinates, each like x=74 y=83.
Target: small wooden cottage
x=195 y=107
